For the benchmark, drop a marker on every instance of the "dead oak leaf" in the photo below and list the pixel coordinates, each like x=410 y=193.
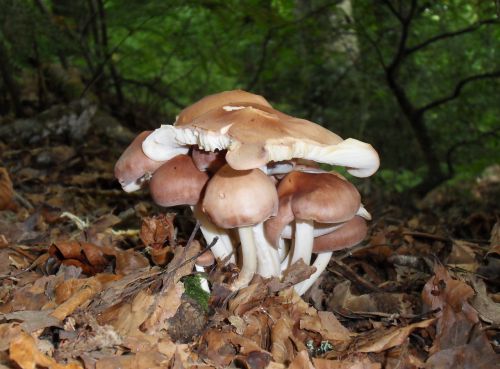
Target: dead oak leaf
x=443 y=291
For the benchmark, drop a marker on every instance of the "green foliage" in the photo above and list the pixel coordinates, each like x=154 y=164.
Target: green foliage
x=318 y=59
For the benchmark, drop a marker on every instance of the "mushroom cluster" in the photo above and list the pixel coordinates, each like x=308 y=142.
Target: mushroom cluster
x=250 y=174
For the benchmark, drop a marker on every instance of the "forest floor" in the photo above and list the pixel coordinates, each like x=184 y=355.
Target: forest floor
x=94 y=277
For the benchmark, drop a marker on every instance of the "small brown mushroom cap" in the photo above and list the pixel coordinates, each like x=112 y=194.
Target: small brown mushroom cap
x=178 y=182
x=218 y=100
x=208 y=161
x=133 y=164
x=349 y=235
x=239 y=198
x=320 y=197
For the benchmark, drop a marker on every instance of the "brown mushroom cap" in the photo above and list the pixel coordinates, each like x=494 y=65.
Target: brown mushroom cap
x=239 y=198
x=320 y=197
x=217 y=100
x=134 y=164
x=208 y=161
x=253 y=127
x=177 y=182
x=350 y=234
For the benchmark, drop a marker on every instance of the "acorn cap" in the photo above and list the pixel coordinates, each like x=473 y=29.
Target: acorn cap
x=133 y=165
x=349 y=235
x=320 y=197
x=239 y=198
x=177 y=182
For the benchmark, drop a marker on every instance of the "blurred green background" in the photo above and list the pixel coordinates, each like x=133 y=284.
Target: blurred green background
x=419 y=80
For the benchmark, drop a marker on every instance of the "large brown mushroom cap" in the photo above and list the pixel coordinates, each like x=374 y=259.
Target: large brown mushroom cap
x=133 y=164
x=350 y=234
x=320 y=197
x=255 y=131
x=239 y=198
x=255 y=134
x=217 y=100
x=178 y=182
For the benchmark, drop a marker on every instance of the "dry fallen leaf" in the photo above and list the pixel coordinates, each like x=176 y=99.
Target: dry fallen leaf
x=384 y=339
x=350 y=363
x=23 y=350
x=6 y=190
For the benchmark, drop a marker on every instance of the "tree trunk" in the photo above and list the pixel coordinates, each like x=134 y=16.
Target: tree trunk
x=416 y=118
x=6 y=71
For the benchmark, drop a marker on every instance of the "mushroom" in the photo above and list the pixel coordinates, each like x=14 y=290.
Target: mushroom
x=256 y=134
x=160 y=147
x=350 y=234
x=307 y=198
x=179 y=182
x=208 y=161
x=133 y=168
x=243 y=200
x=217 y=100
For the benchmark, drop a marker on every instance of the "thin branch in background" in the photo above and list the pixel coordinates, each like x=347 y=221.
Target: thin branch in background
x=100 y=68
x=447 y=35
x=458 y=90
x=262 y=60
x=475 y=141
x=152 y=86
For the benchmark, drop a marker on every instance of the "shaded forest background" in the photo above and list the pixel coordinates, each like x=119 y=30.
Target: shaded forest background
x=420 y=80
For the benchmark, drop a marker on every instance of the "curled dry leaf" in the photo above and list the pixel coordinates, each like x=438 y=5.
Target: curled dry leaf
x=89 y=289
x=6 y=190
x=157 y=230
x=24 y=352
x=89 y=257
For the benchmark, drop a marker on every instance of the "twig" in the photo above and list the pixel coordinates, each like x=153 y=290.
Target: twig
x=354 y=277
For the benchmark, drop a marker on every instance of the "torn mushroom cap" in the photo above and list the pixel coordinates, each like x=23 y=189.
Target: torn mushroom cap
x=349 y=235
x=256 y=134
x=133 y=167
x=208 y=161
x=239 y=198
x=217 y=100
x=178 y=182
x=320 y=197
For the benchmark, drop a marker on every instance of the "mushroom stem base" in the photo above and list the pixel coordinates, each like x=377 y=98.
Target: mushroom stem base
x=320 y=264
x=249 y=258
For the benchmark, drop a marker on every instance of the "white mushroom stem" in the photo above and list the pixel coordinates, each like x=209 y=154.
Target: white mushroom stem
x=203 y=282
x=249 y=258
x=320 y=264
x=282 y=249
x=268 y=263
x=320 y=229
x=223 y=247
x=304 y=239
